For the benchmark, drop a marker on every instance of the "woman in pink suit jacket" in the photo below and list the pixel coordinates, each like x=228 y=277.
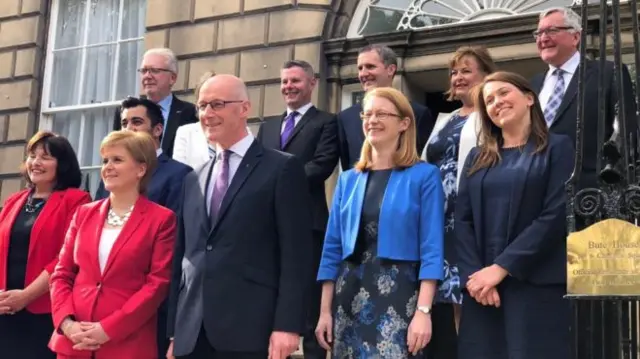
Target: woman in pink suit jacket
x=114 y=267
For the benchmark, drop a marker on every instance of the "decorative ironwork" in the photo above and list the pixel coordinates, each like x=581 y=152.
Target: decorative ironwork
x=379 y=16
x=607 y=327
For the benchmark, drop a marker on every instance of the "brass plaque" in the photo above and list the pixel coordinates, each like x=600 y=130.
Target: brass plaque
x=604 y=259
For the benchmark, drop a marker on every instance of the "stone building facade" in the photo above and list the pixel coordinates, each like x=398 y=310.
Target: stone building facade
x=248 y=38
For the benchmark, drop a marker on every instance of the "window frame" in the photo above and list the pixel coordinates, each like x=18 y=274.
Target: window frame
x=46 y=111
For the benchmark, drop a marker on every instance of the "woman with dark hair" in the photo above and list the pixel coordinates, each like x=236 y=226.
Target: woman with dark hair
x=510 y=229
x=33 y=223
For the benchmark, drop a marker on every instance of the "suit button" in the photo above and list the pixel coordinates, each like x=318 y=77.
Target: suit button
x=209 y=247
x=98 y=284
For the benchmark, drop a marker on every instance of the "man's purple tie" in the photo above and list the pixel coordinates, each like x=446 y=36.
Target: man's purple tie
x=289 y=124
x=221 y=185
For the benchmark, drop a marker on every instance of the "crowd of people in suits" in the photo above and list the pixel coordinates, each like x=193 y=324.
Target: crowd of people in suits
x=444 y=238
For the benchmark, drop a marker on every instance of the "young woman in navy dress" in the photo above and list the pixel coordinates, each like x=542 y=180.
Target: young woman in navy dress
x=510 y=229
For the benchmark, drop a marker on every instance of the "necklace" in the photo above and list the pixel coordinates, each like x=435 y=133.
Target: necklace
x=31 y=206
x=115 y=220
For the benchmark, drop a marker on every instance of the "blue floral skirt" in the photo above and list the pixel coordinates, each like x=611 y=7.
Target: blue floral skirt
x=449 y=288
x=373 y=306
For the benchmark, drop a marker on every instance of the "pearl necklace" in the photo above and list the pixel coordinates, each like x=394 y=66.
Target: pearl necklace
x=117 y=221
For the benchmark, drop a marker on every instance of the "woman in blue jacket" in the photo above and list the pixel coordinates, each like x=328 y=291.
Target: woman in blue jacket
x=383 y=250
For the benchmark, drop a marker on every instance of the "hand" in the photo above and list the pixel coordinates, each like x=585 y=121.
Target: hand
x=12 y=301
x=492 y=298
x=419 y=332
x=282 y=344
x=324 y=330
x=482 y=281
x=70 y=328
x=170 y=351
x=91 y=337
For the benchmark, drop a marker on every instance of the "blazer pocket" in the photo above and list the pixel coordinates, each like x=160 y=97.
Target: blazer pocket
x=260 y=277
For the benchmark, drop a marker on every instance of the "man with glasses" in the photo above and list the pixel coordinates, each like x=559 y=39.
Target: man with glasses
x=243 y=255
x=557 y=39
x=159 y=71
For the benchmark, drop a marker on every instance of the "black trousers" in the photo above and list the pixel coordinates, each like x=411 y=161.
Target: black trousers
x=310 y=345
x=204 y=350
x=444 y=338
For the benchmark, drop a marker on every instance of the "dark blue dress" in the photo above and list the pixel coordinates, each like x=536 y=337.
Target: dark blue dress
x=442 y=151
x=375 y=298
x=519 y=328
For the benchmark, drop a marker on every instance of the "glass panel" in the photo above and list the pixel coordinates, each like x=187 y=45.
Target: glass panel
x=85 y=131
x=128 y=79
x=70 y=23
x=103 y=21
x=380 y=20
x=133 y=19
x=99 y=74
x=66 y=78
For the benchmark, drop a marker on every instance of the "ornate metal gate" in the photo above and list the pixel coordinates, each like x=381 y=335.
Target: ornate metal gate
x=604 y=241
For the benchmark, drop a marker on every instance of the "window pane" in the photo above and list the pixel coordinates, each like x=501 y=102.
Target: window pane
x=70 y=23
x=99 y=74
x=133 y=19
x=128 y=79
x=66 y=78
x=103 y=21
x=85 y=130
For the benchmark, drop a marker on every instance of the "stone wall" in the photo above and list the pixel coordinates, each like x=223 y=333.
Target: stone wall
x=248 y=38
x=22 y=34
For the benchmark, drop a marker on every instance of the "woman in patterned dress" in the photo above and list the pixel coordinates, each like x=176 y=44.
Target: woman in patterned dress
x=383 y=248
x=451 y=140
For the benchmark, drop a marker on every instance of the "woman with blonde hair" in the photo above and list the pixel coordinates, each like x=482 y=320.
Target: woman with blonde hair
x=114 y=267
x=383 y=252
x=510 y=229
x=451 y=140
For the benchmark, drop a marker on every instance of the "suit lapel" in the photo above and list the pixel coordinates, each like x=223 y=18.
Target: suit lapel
x=97 y=224
x=524 y=162
x=247 y=165
x=537 y=82
x=50 y=207
x=204 y=179
x=311 y=113
x=128 y=229
x=172 y=123
x=571 y=93
x=358 y=200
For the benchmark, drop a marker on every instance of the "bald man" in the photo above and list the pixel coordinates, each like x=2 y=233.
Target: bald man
x=243 y=256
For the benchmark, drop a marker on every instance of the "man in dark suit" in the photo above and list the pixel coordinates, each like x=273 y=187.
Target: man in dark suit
x=558 y=38
x=312 y=136
x=165 y=187
x=242 y=260
x=159 y=71
x=376 y=67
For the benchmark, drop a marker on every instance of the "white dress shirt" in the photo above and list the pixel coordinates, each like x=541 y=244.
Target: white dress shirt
x=107 y=240
x=238 y=150
x=570 y=67
x=301 y=111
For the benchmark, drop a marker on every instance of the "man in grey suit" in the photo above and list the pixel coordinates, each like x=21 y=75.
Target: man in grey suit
x=242 y=262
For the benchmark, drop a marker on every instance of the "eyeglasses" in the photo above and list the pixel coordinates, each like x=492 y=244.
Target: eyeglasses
x=552 y=31
x=215 y=105
x=152 y=70
x=380 y=115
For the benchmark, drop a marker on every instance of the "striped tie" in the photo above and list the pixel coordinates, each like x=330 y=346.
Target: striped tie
x=556 y=98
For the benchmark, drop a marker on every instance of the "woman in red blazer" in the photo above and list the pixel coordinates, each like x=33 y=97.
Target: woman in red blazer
x=33 y=223
x=115 y=264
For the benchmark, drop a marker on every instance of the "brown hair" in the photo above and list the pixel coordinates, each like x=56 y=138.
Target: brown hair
x=406 y=155
x=490 y=137
x=140 y=146
x=482 y=57
x=68 y=173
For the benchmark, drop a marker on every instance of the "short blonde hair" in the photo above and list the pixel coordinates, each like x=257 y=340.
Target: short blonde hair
x=406 y=155
x=140 y=146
